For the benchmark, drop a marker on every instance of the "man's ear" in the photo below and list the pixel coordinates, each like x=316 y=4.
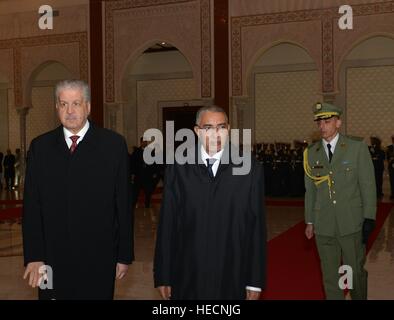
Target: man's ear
x=196 y=130
x=88 y=104
x=339 y=123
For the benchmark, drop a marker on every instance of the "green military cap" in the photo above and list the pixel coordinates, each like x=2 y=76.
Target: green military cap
x=325 y=111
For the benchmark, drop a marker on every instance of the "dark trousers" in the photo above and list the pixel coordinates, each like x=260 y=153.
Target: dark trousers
x=9 y=178
x=148 y=191
x=379 y=182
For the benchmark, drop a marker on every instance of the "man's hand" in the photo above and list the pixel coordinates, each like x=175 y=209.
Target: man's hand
x=32 y=270
x=309 y=232
x=121 y=270
x=252 y=295
x=368 y=226
x=165 y=292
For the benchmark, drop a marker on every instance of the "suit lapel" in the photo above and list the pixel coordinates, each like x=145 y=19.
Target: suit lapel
x=88 y=143
x=90 y=140
x=60 y=142
x=224 y=163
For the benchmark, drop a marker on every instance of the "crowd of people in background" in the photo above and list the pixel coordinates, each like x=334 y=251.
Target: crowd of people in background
x=284 y=172
x=283 y=168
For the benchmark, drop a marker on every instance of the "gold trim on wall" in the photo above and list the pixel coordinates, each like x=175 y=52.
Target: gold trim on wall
x=111 y=6
x=17 y=44
x=325 y=16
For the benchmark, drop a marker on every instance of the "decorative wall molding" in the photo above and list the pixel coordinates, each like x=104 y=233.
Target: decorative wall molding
x=39 y=41
x=113 y=8
x=327 y=18
x=206 y=74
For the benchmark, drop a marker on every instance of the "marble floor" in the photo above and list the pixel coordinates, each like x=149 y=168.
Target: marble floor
x=138 y=284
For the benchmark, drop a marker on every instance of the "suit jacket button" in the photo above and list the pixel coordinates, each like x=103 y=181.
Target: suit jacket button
x=334 y=202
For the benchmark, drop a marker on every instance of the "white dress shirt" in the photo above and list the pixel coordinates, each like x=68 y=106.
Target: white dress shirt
x=217 y=156
x=81 y=134
x=215 y=166
x=333 y=144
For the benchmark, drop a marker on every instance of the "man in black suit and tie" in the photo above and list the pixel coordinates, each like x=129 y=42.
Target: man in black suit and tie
x=211 y=239
x=9 y=170
x=77 y=215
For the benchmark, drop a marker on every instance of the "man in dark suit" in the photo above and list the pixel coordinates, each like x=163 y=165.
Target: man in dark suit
x=9 y=169
x=77 y=215
x=211 y=239
x=378 y=157
x=390 y=162
x=144 y=176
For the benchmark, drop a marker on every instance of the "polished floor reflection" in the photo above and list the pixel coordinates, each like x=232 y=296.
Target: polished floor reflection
x=138 y=284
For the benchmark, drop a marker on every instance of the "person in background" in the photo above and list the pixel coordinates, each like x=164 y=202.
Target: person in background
x=390 y=165
x=9 y=170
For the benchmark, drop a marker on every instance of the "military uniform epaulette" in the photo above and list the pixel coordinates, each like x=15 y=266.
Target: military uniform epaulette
x=354 y=138
x=312 y=145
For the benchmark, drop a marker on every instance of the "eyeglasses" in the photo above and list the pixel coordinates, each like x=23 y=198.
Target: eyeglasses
x=211 y=129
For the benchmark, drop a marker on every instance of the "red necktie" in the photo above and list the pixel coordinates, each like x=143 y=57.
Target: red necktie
x=74 y=144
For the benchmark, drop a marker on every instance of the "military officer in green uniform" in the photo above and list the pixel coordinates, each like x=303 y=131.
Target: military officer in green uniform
x=340 y=202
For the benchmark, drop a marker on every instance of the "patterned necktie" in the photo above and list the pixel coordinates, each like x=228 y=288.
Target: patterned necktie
x=329 y=152
x=74 y=144
x=210 y=162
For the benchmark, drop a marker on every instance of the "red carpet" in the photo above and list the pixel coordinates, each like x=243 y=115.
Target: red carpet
x=10 y=214
x=9 y=202
x=293 y=262
x=294 y=265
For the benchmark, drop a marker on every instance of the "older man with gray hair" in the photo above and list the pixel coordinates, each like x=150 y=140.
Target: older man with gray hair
x=77 y=215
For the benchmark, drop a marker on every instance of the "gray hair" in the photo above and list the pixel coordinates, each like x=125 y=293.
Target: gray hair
x=213 y=108
x=73 y=84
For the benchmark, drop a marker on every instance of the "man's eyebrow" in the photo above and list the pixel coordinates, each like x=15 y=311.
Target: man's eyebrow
x=219 y=124
x=77 y=100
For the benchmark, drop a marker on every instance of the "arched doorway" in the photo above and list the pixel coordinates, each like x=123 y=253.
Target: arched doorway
x=367 y=88
x=283 y=85
x=41 y=94
x=160 y=74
